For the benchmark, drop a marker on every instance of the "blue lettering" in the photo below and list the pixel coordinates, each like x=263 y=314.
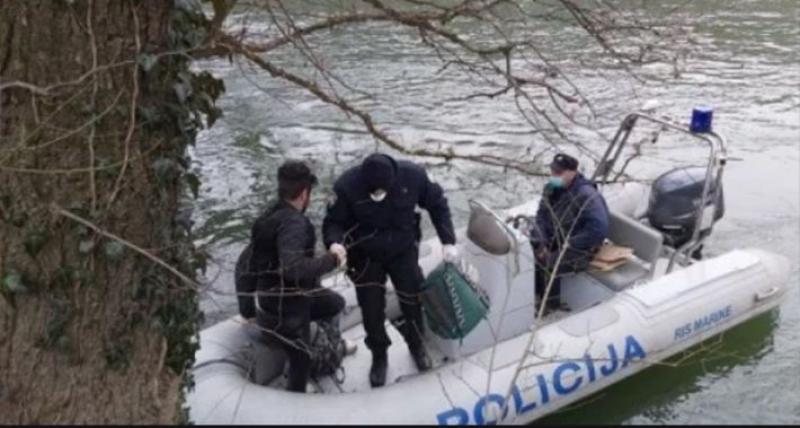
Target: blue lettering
x=699 y=324
x=454 y=416
x=557 y=378
x=487 y=408
x=683 y=331
x=612 y=356
x=481 y=406
x=712 y=318
x=519 y=404
x=543 y=388
x=632 y=350
x=589 y=366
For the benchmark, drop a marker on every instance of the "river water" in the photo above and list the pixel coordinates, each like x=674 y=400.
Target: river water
x=747 y=67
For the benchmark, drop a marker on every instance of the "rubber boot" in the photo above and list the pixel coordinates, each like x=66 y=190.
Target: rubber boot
x=421 y=358
x=377 y=374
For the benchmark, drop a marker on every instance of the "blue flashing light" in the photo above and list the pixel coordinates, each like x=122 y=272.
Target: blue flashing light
x=701 y=119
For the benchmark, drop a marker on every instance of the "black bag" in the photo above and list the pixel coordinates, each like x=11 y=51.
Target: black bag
x=327 y=351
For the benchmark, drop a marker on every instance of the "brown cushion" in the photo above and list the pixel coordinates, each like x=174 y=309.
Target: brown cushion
x=611 y=253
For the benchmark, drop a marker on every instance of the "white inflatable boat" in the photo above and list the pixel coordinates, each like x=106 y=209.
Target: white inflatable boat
x=514 y=367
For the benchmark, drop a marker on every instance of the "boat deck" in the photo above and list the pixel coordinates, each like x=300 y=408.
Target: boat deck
x=578 y=291
x=356 y=367
x=401 y=365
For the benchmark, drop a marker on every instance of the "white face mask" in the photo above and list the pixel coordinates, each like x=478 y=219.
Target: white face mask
x=378 y=195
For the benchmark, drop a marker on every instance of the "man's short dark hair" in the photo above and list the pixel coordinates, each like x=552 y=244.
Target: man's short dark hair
x=293 y=178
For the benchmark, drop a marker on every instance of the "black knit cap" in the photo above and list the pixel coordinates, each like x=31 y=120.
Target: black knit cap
x=296 y=171
x=564 y=162
x=377 y=170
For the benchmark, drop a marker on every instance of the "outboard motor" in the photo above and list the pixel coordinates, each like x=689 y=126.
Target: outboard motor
x=674 y=198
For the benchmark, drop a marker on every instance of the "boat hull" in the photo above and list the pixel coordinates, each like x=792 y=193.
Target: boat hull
x=568 y=359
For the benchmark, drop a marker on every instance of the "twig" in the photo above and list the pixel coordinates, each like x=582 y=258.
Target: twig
x=132 y=124
x=93 y=104
x=57 y=171
x=62 y=212
x=366 y=118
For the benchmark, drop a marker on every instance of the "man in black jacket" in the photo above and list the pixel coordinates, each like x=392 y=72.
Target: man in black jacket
x=373 y=214
x=572 y=217
x=282 y=268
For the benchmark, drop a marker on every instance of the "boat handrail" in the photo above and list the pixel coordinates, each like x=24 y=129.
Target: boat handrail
x=716 y=162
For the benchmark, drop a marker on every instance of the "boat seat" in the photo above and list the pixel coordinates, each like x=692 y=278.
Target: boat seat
x=484 y=230
x=623 y=276
x=647 y=246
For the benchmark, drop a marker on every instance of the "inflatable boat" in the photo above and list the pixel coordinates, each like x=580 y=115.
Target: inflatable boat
x=515 y=365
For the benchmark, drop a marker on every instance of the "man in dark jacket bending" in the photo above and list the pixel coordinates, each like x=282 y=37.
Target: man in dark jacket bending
x=373 y=214
x=572 y=217
x=281 y=266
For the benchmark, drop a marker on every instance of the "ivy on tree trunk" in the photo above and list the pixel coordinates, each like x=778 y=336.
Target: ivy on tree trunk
x=97 y=107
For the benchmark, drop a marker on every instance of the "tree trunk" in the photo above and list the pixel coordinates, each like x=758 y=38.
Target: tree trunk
x=95 y=116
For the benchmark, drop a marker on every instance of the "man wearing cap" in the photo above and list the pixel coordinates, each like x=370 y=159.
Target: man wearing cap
x=573 y=217
x=280 y=264
x=374 y=216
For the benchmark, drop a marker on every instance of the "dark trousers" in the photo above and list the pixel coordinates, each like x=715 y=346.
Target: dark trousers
x=572 y=261
x=323 y=306
x=543 y=274
x=369 y=276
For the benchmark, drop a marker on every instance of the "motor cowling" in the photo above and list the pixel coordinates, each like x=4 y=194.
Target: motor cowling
x=674 y=199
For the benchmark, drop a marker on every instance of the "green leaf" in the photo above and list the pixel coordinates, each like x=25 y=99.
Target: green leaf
x=194 y=183
x=200 y=261
x=86 y=246
x=13 y=282
x=62 y=343
x=212 y=116
x=35 y=241
x=17 y=219
x=82 y=230
x=192 y=6
x=182 y=91
x=162 y=165
x=113 y=250
x=147 y=61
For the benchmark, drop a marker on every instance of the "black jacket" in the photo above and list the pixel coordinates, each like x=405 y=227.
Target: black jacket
x=279 y=263
x=577 y=214
x=386 y=228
